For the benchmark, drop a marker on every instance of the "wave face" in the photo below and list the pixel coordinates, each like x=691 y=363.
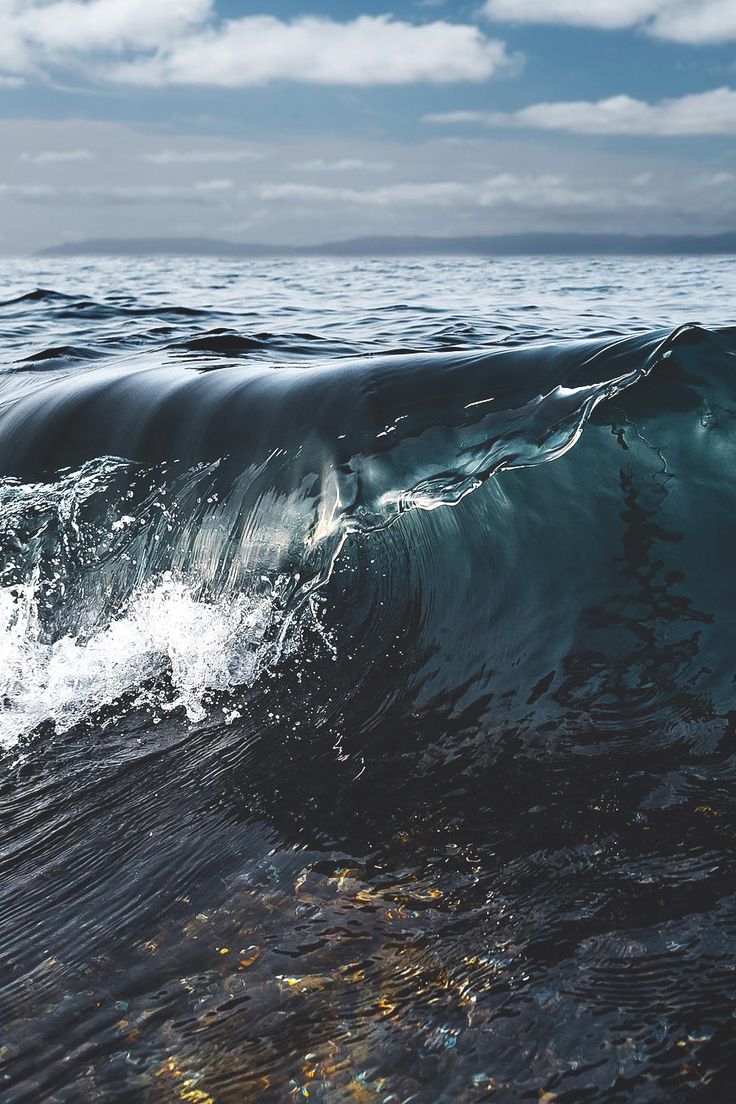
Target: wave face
x=366 y=682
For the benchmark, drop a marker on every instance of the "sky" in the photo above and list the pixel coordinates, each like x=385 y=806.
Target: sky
x=301 y=121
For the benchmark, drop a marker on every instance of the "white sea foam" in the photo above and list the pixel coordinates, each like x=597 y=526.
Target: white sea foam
x=164 y=627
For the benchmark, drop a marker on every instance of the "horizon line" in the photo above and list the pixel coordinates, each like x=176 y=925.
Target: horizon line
x=543 y=242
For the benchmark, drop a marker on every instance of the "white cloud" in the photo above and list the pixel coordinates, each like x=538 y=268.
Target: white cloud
x=702 y=113
x=694 y=22
x=343 y=164
x=56 y=157
x=490 y=182
x=697 y=23
x=606 y=14
x=368 y=50
x=162 y=42
x=718 y=180
x=505 y=189
x=13 y=56
x=453 y=118
x=202 y=192
x=213 y=185
x=202 y=156
x=80 y=25
x=35 y=33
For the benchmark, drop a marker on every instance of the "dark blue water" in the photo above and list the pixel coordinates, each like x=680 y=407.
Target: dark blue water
x=367 y=681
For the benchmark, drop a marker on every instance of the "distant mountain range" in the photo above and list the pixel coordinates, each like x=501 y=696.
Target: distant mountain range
x=503 y=245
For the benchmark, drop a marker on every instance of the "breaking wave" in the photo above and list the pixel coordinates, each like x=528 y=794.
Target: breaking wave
x=179 y=561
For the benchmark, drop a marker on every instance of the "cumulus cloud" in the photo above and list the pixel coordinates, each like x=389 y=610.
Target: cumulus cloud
x=35 y=33
x=698 y=114
x=164 y=42
x=13 y=55
x=368 y=50
x=695 y=22
x=80 y=25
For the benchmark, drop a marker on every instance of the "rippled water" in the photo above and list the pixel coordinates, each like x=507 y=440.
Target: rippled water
x=367 y=682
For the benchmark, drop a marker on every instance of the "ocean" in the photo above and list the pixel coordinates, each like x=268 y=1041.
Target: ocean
x=368 y=681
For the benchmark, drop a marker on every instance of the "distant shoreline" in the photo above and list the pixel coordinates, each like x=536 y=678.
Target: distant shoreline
x=504 y=245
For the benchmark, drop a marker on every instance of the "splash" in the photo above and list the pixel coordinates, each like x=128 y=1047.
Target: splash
x=165 y=629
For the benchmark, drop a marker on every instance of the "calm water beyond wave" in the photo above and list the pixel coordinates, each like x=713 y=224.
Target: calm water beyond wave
x=368 y=681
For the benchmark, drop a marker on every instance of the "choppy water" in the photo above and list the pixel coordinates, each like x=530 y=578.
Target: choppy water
x=367 y=681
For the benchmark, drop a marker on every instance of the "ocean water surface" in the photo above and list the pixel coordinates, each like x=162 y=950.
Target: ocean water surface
x=368 y=681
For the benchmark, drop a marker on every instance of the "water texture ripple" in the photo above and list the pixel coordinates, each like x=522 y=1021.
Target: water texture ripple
x=367 y=708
